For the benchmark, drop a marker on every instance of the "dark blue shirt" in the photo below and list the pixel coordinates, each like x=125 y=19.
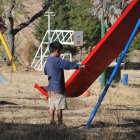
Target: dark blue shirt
x=54 y=69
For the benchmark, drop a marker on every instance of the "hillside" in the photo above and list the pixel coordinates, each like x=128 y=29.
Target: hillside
x=25 y=37
x=24 y=10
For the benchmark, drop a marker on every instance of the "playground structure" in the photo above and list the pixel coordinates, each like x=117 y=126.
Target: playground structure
x=3 y=27
x=113 y=74
x=65 y=37
x=108 y=48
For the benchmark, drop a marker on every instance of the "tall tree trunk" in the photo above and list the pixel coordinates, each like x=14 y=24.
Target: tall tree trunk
x=11 y=41
x=9 y=38
x=10 y=33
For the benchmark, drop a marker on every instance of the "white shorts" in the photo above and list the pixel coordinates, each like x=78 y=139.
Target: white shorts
x=57 y=101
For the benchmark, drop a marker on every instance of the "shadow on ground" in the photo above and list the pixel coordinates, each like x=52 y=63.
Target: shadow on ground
x=134 y=85
x=6 y=103
x=129 y=130
x=9 y=131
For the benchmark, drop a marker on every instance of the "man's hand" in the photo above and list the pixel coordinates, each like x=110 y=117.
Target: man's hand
x=82 y=66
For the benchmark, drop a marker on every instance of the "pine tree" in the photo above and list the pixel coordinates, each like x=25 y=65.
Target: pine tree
x=135 y=43
x=80 y=19
x=71 y=15
x=61 y=12
x=59 y=22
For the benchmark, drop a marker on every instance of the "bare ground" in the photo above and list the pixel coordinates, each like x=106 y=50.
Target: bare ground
x=22 y=107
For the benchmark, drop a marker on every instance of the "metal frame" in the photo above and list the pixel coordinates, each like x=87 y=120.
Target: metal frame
x=66 y=54
x=65 y=37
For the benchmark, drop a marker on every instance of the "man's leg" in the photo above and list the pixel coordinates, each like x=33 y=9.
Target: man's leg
x=51 y=112
x=59 y=116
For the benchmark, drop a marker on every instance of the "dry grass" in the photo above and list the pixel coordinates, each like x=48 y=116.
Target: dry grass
x=30 y=51
x=101 y=131
x=14 y=131
x=24 y=111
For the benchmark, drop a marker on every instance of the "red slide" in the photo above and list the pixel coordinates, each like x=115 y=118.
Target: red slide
x=109 y=47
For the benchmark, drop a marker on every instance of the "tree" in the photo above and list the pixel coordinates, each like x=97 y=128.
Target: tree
x=135 y=43
x=71 y=15
x=59 y=22
x=1 y=11
x=12 y=30
x=108 y=9
x=111 y=10
x=1 y=8
x=81 y=19
x=61 y=12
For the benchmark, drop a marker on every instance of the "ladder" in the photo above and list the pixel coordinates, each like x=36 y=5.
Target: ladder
x=65 y=37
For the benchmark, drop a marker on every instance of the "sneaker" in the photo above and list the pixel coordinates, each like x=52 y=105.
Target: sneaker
x=61 y=126
x=52 y=123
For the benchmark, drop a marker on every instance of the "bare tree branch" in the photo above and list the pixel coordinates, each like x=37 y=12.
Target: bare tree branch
x=10 y=15
x=37 y=15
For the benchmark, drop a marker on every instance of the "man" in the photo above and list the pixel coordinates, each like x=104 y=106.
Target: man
x=56 y=89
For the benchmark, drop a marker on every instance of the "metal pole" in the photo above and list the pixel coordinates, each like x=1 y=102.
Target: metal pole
x=103 y=83
x=113 y=74
x=49 y=17
x=80 y=54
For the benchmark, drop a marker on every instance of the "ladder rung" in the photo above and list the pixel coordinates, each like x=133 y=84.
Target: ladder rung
x=45 y=43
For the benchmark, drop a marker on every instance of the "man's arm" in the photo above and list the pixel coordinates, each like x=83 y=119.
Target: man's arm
x=69 y=65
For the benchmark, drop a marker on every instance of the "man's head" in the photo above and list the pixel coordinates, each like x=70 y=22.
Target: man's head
x=55 y=48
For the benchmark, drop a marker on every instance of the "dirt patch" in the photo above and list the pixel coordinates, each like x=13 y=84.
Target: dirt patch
x=77 y=103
